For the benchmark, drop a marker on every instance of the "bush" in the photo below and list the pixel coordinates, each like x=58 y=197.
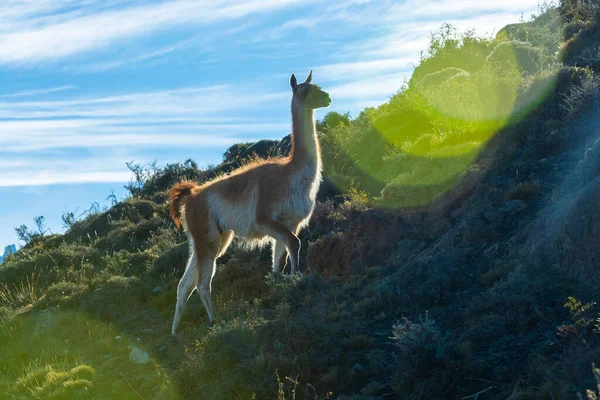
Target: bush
x=172 y=262
x=516 y=53
x=61 y=291
x=526 y=190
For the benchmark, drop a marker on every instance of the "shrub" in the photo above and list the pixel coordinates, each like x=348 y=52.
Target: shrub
x=131 y=238
x=581 y=96
x=418 y=340
x=516 y=53
x=61 y=291
x=525 y=190
x=424 y=353
x=26 y=292
x=172 y=262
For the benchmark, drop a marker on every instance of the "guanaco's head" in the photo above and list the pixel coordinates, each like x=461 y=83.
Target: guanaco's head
x=308 y=95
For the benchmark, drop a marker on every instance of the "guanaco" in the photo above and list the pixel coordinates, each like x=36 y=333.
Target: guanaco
x=266 y=201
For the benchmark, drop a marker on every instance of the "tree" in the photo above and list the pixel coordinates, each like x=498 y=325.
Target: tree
x=40 y=223
x=29 y=236
x=68 y=219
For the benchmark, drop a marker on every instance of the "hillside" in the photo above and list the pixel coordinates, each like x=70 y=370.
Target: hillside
x=453 y=252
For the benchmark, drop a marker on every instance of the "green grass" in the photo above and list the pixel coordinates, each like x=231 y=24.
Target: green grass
x=69 y=355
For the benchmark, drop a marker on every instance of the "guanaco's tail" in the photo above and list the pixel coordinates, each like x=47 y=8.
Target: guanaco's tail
x=177 y=198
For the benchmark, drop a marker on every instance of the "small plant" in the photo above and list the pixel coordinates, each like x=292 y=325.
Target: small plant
x=594 y=394
x=29 y=236
x=112 y=197
x=141 y=174
x=288 y=387
x=24 y=293
x=68 y=219
x=49 y=383
x=411 y=337
x=356 y=199
x=580 y=312
x=526 y=190
x=60 y=291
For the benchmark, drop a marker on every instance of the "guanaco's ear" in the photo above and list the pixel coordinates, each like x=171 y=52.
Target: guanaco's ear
x=309 y=79
x=293 y=83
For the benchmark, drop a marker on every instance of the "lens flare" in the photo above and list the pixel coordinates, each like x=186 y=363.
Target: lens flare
x=415 y=147
x=69 y=355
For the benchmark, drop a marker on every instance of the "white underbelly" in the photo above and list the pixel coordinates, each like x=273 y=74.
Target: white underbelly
x=235 y=216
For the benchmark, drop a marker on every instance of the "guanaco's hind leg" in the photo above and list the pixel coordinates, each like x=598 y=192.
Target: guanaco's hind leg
x=226 y=238
x=279 y=256
x=206 y=271
x=212 y=246
x=184 y=290
x=280 y=232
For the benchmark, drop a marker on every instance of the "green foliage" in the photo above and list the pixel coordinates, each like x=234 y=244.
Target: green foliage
x=450 y=48
x=467 y=89
x=579 y=312
x=594 y=394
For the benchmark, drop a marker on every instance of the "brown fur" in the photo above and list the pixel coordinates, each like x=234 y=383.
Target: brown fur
x=178 y=196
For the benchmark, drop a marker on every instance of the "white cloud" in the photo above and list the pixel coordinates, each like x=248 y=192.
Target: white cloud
x=37 y=92
x=368 y=89
x=47 y=133
x=137 y=139
x=46 y=177
x=64 y=37
x=444 y=9
x=182 y=102
x=354 y=70
x=31 y=170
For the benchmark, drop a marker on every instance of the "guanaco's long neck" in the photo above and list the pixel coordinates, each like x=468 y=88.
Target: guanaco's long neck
x=305 y=146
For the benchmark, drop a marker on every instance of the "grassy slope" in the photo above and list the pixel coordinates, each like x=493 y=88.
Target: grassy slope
x=72 y=306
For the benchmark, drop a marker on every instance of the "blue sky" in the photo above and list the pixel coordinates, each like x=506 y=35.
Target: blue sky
x=88 y=85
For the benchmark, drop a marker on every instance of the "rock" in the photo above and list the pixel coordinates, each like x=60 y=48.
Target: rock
x=372 y=236
x=438 y=77
x=492 y=215
x=44 y=323
x=568 y=234
x=458 y=212
x=496 y=250
x=405 y=249
x=138 y=356
x=521 y=52
x=513 y=206
x=157 y=289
